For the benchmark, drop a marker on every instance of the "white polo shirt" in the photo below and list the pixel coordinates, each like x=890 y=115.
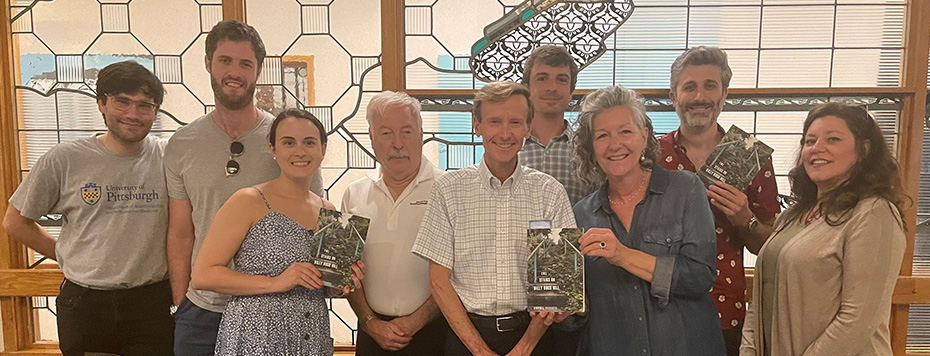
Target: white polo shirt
x=396 y=281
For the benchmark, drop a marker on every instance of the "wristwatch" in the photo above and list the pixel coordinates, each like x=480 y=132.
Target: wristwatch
x=752 y=224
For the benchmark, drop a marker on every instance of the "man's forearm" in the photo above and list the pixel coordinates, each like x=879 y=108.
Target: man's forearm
x=756 y=238
x=180 y=250
x=359 y=304
x=530 y=338
x=29 y=233
x=452 y=308
x=424 y=314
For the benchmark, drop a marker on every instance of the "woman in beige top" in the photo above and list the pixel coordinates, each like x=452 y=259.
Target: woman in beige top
x=824 y=279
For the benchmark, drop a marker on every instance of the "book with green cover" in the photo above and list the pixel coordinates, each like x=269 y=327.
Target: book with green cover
x=737 y=159
x=555 y=270
x=337 y=243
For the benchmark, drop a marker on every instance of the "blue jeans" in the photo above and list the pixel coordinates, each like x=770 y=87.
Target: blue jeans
x=195 y=330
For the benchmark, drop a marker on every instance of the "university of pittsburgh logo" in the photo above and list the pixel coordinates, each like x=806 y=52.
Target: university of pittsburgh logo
x=90 y=193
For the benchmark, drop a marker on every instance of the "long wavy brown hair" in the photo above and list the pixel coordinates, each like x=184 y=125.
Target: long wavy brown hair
x=874 y=175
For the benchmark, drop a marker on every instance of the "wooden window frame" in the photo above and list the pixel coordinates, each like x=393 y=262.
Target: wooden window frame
x=17 y=284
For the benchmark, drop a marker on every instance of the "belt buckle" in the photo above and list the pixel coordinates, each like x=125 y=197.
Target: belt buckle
x=497 y=323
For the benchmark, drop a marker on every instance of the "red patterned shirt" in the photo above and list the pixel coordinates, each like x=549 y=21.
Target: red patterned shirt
x=729 y=291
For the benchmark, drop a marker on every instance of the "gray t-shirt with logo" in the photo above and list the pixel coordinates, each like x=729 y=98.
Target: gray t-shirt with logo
x=114 y=211
x=195 y=169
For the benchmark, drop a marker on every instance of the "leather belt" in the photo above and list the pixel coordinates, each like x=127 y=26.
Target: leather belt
x=501 y=323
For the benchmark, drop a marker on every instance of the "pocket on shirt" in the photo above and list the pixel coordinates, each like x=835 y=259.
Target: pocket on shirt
x=662 y=240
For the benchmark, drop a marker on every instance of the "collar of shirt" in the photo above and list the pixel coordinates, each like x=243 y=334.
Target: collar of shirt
x=682 y=151
x=657 y=185
x=567 y=135
x=425 y=174
x=490 y=182
x=675 y=138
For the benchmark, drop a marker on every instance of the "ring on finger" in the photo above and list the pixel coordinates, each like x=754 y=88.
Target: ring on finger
x=603 y=245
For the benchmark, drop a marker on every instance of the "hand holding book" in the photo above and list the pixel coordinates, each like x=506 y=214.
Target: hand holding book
x=338 y=243
x=555 y=272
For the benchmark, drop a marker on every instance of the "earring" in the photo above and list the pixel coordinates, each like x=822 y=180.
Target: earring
x=274 y=158
x=642 y=157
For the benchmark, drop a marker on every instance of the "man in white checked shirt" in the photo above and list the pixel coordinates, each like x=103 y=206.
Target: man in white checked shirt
x=474 y=233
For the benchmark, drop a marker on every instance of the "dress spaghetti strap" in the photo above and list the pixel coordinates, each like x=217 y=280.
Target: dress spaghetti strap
x=263 y=197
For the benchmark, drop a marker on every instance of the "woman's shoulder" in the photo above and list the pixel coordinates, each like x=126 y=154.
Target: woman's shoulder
x=876 y=206
x=680 y=176
x=248 y=199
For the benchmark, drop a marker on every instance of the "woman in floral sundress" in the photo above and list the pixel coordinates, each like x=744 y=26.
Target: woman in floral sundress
x=277 y=305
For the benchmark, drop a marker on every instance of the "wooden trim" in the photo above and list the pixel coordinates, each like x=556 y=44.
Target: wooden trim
x=12 y=254
x=234 y=10
x=899 y=321
x=14 y=312
x=914 y=78
x=733 y=92
x=30 y=282
x=911 y=290
x=910 y=148
x=14 y=315
x=36 y=352
x=393 y=49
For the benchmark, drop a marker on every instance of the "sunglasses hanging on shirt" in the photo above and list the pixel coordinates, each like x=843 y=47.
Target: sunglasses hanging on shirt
x=235 y=150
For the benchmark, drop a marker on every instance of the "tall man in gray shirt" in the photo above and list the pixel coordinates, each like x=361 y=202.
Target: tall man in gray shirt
x=110 y=191
x=205 y=163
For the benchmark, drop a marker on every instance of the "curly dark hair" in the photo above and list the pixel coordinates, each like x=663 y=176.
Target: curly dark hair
x=875 y=174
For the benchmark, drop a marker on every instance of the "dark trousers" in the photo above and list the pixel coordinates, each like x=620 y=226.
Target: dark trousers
x=195 y=330
x=500 y=342
x=127 y=322
x=732 y=338
x=428 y=341
x=558 y=342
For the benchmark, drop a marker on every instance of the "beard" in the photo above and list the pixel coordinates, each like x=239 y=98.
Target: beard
x=229 y=101
x=125 y=135
x=699 y=121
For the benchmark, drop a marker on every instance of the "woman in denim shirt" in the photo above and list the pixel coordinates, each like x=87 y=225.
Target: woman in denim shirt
x=651 y=242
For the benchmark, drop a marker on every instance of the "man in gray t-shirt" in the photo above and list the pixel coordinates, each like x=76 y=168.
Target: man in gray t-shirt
x=205 y=163
x=110 y=190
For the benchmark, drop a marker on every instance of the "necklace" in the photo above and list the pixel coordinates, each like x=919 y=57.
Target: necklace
x=632 y=195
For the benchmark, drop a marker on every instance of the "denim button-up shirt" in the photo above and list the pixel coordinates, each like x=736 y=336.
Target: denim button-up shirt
x=673 y=315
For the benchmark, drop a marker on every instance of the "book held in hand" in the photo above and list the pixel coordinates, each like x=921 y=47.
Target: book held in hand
x=737 y=159
x=555 y=270
x=337 y=243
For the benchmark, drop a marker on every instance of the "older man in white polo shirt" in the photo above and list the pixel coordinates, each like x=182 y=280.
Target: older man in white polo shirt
x=397 y=315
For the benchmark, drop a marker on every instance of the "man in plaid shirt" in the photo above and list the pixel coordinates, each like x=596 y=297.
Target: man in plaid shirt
x=475 y=230
x=551 y=73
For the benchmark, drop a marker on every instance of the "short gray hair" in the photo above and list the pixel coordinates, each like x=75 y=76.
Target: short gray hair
x=594 y=104
x=383 y=100
x=698 y=56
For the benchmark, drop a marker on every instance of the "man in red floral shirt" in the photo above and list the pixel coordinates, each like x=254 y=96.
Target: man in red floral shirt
x=699 y=81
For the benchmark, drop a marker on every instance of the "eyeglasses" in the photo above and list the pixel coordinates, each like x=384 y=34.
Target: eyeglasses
x=235 y=150
x=123 y=104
